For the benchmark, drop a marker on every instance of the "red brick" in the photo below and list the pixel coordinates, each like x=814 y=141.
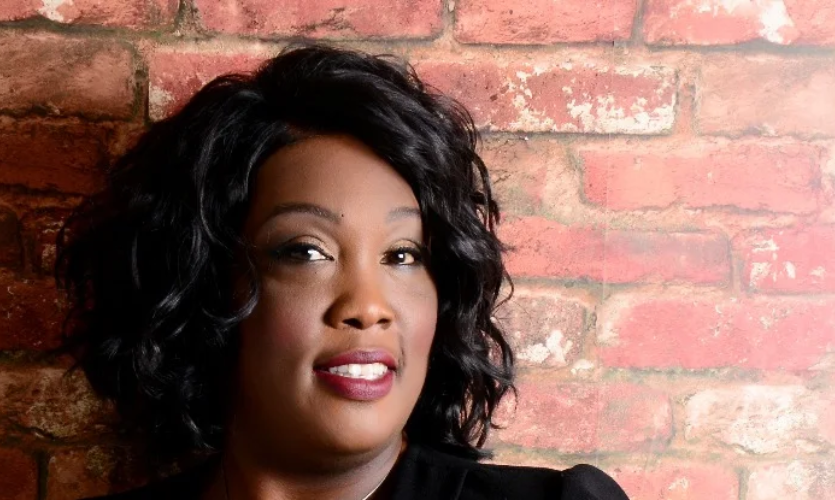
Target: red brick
x=46 y=402
x=575 y=418
x=648 y=331
x=542 y=248
x=57 y=157
x=520 y=171
x=543 y=327
x=784 y=177
x=11 y=251
x=788 y=260
x=87 y=472
x=30 y=313
x=89 y=77
x=767 y=96
x=796 y=480
x=19 y=477
x=175 y=76
x=567 y=97
x=668 y=481
x=715 y=22
x=814 y=19
x=119 y=13
x=532 y=22
x=334 y=19
x=13 y=10
x=757 y=419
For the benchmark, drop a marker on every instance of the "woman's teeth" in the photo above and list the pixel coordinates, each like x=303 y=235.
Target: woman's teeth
x=371 y=371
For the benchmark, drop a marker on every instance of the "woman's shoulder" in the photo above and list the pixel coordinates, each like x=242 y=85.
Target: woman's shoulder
x=477 y=480
x=581 y=482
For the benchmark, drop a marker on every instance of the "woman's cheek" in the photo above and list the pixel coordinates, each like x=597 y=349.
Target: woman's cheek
x=421 y=312
x=283 y=326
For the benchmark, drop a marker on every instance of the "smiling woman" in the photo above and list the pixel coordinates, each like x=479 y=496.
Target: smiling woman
x=296 y=273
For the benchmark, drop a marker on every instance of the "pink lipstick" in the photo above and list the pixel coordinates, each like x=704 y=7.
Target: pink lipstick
x=359 y=375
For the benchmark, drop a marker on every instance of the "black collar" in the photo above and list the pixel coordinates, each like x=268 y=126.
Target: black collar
x=423 y=473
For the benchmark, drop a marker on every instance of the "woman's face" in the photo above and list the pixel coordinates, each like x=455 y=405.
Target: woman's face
x=344 y=289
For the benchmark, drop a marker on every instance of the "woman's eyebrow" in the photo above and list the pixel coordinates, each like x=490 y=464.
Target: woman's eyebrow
x=331 y=216
x=402 y=212
x=304 y=208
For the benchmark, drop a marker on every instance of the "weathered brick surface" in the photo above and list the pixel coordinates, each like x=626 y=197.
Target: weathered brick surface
x=520 y=171
x=796 y=480
x=758 y=419
x=553 y=97
x=334 y=19
x=544 y=248
x=134 y=14
x=720 y=22
x=576 y=418
x=11 y=250
x=532 y=22
x=56 y=157
x=31 y=312
x=74 y=76
x=43 y=401
x=175 y=76
x=86 y=472
x=677 y=481
x=545 y=329
x=715 y=22
x=788 y=260
x=749 y=175
x=766 y=96
x=652 y=331
x=19 y=478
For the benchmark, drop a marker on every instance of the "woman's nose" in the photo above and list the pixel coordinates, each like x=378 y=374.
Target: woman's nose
x=362 y=303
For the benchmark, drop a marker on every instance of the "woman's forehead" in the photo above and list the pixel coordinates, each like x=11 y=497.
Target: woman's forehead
x=338 y=174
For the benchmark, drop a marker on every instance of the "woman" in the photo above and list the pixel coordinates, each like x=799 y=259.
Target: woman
x=297 y=272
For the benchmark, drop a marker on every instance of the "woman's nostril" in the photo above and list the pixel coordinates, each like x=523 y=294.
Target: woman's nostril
x=354 y=323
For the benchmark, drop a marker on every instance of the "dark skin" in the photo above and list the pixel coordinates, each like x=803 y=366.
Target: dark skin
x=338 y=244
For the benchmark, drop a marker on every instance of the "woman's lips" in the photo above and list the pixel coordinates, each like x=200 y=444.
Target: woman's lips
x=357 y=389
x=360 y=375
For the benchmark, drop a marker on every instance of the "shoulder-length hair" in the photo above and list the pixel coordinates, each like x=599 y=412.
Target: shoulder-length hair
x=148 y=263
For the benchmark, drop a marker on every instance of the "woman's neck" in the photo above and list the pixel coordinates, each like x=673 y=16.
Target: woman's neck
x=242 y=475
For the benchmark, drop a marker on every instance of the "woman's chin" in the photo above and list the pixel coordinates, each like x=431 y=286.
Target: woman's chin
x=360 y=439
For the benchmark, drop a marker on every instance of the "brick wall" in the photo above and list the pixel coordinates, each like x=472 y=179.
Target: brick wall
x=666 y=171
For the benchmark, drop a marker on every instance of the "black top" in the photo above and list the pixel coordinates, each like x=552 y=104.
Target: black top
x=424 y=473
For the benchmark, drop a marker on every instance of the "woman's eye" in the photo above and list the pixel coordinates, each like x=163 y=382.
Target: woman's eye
x=404 y=257
x=302 y=252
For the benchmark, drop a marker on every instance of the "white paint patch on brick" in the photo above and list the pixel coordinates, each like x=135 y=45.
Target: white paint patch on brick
x=818 y=272
x=781 y=481
x=553 y=350
x=774 y=19
x=602 y=116
x=791 y=271
x=768 y=245
x=158 y=101
x=680 y=483
x=582 y=366
x=530 y=119
x=595 y=114
x=759 y=271
x=49 y=9
x=771 y=16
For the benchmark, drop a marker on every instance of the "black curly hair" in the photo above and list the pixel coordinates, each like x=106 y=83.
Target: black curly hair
x=148 y=263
